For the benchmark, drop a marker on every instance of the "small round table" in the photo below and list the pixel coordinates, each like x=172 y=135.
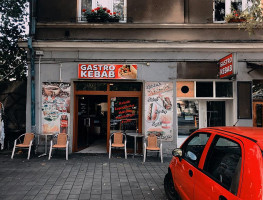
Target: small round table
x=46 y=136
x=135 y=135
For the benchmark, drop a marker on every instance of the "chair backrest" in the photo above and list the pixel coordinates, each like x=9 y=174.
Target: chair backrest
x=62 y=139
x=152 y=141
x=27 y=138
x=118 y=138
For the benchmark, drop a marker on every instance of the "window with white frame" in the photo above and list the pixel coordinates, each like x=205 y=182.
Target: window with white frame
x=225 y=7
x=115 y=6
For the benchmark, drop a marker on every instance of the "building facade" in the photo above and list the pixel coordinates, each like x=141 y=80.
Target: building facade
x=166 y=68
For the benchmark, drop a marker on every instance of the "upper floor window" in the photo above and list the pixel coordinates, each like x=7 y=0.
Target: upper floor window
x=115 y=6
x=225 y=7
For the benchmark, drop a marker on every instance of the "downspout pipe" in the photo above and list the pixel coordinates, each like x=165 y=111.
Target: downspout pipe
x=32 y=28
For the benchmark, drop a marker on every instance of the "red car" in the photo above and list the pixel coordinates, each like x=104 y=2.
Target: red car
x=219 y=163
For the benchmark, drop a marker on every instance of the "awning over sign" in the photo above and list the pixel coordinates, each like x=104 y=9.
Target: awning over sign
x=254 y=66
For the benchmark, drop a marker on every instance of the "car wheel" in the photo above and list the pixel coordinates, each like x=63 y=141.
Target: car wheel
x=170 y=191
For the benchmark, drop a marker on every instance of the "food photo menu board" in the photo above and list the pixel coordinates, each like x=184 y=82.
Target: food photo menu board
x=55 y=107
x=159 y=109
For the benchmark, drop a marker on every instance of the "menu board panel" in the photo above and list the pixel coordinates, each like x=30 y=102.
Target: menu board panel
x=159 y=109
x=55 y=107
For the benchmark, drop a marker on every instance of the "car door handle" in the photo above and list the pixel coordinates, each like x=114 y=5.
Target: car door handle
x=191 y=173
x=221 y=197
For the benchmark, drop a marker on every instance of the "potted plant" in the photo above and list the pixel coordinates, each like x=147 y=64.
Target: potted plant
x=236 y=17
x=114 y=18
x=100 y=15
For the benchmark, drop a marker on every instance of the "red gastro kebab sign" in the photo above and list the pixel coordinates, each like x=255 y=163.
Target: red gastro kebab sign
x=107 y=71
x=226 y=68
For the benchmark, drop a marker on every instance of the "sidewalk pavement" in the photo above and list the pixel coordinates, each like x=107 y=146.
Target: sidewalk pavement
x=83 y=176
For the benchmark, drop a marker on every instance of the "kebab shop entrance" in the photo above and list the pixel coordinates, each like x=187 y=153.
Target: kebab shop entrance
x=102 y=108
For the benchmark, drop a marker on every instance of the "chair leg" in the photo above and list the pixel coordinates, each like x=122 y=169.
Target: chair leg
x=109 y=152
x=12 y=156
x=144 y=154
x=29 y=151
x=50 y=151
x=161 y=152
x=125 y=151
x=67 y=153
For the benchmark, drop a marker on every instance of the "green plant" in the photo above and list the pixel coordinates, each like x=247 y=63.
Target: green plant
x=101 y=14
x=254 y=17
x=236 y=17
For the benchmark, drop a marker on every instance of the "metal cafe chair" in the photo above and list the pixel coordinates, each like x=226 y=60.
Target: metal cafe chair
x=119 y=142
x=62 y=143
x=27 y=143
x=152 y=144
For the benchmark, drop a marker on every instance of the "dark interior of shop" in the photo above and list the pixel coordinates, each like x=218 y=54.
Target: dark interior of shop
x=92 y=123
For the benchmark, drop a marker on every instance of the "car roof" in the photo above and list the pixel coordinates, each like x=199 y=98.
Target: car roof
x=252 y=133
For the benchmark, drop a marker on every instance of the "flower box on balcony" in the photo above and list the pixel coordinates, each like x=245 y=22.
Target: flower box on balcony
x=236 y=17
x=236 y=20
x=101 y=15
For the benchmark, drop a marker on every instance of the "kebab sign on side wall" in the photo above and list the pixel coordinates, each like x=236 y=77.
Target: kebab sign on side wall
x=107 y=71
x=159 y=109
x=226 y=66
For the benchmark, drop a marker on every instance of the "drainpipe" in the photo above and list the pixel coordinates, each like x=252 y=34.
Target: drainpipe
x=32 y=28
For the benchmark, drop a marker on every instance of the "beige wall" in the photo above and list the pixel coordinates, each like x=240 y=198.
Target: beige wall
x=152 y=11
x=139 y=11
x=199 y=11
x=56 y=10
x=186 y=32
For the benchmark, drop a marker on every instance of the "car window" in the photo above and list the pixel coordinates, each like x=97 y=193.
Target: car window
x=193 y=148
x=223 y=163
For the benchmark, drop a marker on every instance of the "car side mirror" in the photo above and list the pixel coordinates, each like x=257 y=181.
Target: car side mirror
x=178 y=153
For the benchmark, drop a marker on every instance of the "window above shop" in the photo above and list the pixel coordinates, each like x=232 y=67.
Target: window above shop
x=224 y=89
x=125 y=86
x=91 y=86
x=204 y=89
x=223 y=8
x=114 y=9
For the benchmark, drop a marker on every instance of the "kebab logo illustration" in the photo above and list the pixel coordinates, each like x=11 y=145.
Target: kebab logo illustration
x=156 y=131
x=167 y=104
x=127 y=72
x=152 y=112
x=166 y=121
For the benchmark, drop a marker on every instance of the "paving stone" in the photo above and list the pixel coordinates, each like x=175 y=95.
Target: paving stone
x=82 y=177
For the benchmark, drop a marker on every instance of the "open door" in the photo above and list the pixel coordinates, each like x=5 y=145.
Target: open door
x=92 y=121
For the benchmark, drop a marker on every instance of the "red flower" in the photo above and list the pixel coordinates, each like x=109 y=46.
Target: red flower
x=236 y=15
x=92 y=10
x=114 y=13
x=104 y=8
x=98 y=8
x=108 y=11
x=83 y=10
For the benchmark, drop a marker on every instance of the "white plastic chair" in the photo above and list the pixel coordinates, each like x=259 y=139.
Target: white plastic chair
x=27 y=143
x=119 y=142
x=62 y=143
x=151 y=144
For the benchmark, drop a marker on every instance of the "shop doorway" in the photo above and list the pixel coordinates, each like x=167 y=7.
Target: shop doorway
x=101 y=108
x=92 y=123
x=216 y=115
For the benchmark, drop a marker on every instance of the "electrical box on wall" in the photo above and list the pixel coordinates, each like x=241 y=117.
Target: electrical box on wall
x=39 y=53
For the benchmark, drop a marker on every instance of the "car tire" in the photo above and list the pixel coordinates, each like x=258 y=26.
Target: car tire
x=170 y=191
